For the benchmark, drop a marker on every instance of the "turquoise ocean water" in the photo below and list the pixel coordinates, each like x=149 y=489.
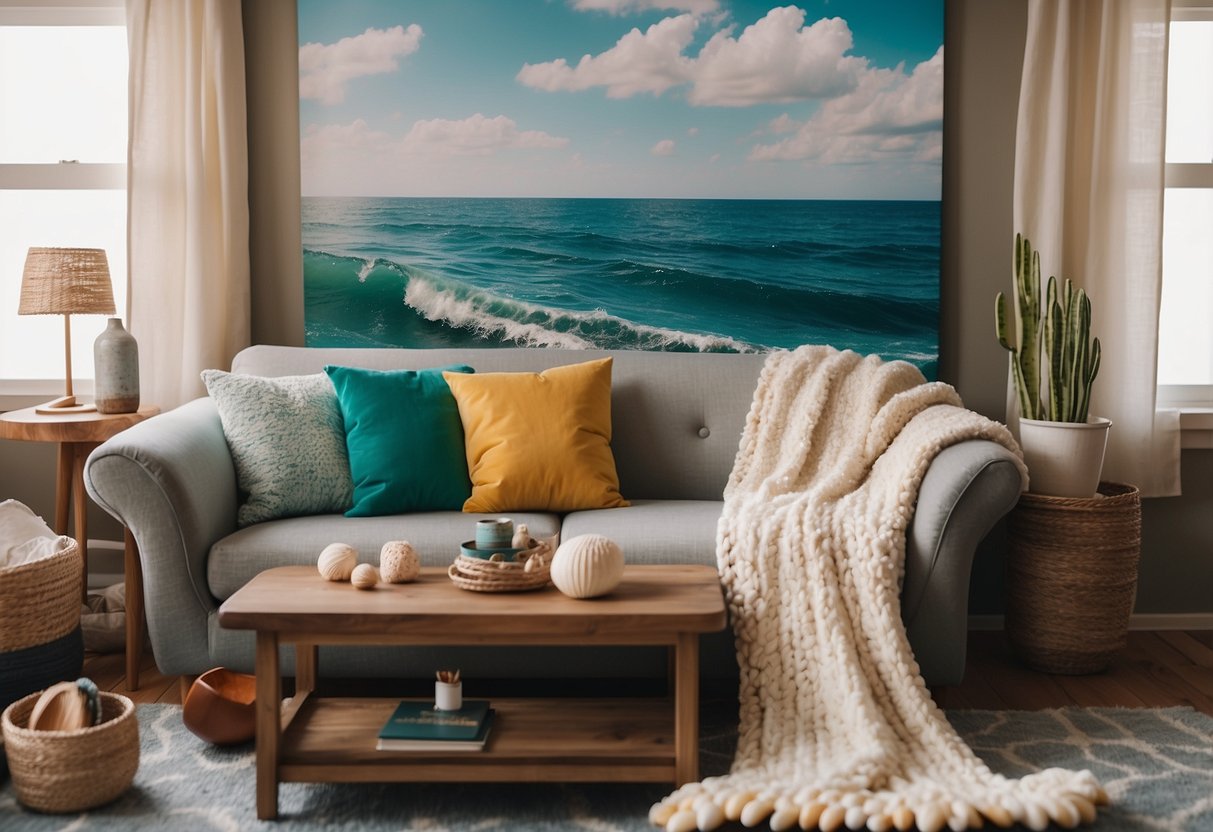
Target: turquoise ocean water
x=683 y=274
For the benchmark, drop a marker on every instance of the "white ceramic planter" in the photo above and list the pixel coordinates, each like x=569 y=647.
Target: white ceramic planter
x=1064 y=459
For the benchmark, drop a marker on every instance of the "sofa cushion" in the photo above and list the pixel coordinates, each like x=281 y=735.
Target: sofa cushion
x=404 y=438
x=287 y=442
x=436 y=535
x=654 y=531
x=539 y=441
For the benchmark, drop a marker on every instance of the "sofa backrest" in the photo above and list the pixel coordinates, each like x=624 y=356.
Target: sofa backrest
x=676 y=417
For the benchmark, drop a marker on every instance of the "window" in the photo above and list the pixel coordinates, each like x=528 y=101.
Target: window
x=63 y=125
x=1185 y=350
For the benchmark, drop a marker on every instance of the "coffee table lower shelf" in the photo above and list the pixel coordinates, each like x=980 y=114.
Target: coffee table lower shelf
x=332 y=740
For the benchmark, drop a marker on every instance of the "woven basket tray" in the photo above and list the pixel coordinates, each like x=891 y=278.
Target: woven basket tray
x=70 y=771
x=479 y=575
x=1072 y=578
x=40 y=601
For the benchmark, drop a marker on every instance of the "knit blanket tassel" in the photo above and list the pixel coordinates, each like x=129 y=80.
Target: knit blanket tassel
x=837 y=727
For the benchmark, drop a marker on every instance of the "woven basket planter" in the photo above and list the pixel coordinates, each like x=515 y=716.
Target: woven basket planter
x=40 y=641
x=1072 y=578
x=70 y=771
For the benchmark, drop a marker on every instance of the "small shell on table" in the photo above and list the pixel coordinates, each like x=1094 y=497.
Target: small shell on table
x=399 y=562
x=337 y=562
x=365 y=576
x=587 y=566
x=522 y=537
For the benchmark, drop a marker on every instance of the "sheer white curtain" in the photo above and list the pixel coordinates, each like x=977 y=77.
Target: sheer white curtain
x=187 y=191
x=1089 y=195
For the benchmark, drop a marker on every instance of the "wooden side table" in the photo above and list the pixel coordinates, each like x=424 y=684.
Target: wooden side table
x=77 y=434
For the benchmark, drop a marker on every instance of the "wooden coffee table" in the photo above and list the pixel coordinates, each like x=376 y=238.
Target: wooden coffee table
x=316 y=739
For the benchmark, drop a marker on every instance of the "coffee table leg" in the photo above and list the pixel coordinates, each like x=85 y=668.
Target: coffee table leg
x=686 y=709
x=306 y=656
x=269 y=705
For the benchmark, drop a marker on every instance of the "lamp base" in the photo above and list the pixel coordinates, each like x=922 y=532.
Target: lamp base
x=63 y=406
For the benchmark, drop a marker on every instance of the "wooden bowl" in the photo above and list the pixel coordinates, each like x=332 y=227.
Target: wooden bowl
x=219 y=707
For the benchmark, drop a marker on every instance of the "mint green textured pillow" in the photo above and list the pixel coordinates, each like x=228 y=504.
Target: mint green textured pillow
x=404 y=438
x=288 y=443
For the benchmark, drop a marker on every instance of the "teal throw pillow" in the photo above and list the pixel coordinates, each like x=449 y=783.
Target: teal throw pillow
x=287 y=441
x=404 y=438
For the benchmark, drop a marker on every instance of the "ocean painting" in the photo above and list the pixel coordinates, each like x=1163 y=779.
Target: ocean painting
x=691 y=175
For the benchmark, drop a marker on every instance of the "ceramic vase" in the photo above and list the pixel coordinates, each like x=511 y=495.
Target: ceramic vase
x=116 y=365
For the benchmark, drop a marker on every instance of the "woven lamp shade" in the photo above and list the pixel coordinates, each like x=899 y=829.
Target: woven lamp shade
x=66 y=281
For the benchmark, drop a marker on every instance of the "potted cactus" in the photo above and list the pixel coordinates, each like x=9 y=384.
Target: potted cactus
x=1063 y=447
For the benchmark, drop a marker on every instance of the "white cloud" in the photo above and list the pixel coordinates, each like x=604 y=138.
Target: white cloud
x=777 y=59
x=475 y=135
x=890 y=115
x=783 y=123
x=319 y=141
x=325 y=69
x=630 y=6
x=665 y=147
x=692 y=132
x=651 y=61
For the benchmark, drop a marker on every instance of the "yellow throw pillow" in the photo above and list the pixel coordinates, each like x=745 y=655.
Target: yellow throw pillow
x=539 y=441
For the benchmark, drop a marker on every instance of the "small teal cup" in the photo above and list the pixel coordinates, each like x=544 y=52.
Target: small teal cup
x=496 y=533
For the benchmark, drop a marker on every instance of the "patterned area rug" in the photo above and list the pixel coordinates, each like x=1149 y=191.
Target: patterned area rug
x=1157 y=765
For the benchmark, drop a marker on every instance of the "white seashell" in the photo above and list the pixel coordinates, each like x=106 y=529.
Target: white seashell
x=398 y=562
x=337 y=562
x=522 y=538
x=365 y=576
x=587 y=566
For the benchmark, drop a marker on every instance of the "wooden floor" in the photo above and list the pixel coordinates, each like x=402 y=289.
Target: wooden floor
x=1157 y=669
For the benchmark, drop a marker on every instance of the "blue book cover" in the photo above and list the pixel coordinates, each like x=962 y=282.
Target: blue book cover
x=476 y=743
x=422 y=721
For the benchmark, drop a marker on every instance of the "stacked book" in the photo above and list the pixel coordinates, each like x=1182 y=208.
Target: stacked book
x=419 y=726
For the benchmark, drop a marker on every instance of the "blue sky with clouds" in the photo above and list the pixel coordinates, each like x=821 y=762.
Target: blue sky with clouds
x=622 y=98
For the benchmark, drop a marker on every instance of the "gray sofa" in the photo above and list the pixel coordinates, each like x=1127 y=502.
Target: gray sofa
x=677 y=419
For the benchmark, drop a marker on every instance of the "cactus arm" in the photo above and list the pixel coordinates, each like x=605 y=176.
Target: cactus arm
x=1027 y=279
x=1000 y=327
x=1092 y=371
x=1000 y=322
x=1055 y=338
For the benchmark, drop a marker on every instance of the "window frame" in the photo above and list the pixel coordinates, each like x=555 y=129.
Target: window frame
x=62 y=175
x=1194 y=401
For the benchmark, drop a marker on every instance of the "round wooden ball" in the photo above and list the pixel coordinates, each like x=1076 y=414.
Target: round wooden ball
x=365 y=576
x=399 y=562
x=337 y=562
x=587 y=566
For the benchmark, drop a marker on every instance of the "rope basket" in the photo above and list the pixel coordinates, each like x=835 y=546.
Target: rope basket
x=70 y=771
x=1072 y=578
x=479 y=575
x=40 y=601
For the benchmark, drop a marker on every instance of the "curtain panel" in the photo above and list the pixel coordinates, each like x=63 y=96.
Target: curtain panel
x=1089 y=164
x=187 y=181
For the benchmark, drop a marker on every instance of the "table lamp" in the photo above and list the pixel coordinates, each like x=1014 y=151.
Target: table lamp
x=66 y=281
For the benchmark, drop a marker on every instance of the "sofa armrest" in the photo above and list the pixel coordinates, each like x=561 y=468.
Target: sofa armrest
x=967 y=489
x=171 y=482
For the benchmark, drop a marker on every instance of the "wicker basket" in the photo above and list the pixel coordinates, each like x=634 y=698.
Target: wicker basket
x=40 y=641
x=70 y=771
x=479 y=575
x=40 y=601
x=1072 y=578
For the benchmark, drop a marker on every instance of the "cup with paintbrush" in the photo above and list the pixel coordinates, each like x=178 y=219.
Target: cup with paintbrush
x=448 y=691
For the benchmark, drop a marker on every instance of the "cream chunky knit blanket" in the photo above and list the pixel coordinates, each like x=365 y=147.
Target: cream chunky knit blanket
x=837 y=726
